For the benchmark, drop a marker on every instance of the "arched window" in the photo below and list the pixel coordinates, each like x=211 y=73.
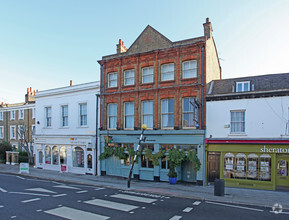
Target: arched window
x=265 y=167
x=229 y=160
x=55 y=155
x=252 y=172
x=47 y=155
x=78 y=157
x=241 y=165
x=40 y=157
x=63 y=155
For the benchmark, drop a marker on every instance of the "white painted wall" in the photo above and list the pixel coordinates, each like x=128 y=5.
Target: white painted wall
x=264 y=117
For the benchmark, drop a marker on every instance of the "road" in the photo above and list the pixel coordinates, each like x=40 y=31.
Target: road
x=28 y=198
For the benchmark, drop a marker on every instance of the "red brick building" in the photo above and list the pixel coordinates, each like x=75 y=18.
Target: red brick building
x=162 y=84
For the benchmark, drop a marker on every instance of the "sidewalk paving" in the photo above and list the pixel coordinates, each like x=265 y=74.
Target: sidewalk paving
x=232 y=195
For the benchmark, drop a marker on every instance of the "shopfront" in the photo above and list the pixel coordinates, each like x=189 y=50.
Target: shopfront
x=250 y=165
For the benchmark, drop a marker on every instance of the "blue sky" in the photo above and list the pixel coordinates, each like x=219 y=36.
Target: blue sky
x=44 y=44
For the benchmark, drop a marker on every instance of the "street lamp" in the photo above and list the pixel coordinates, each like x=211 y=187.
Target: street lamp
x=141 y=138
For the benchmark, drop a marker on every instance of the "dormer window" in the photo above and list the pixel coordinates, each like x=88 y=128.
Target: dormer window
x=243 y=86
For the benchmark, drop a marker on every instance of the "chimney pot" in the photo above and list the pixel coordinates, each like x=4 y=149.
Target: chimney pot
x=71 y=83
x=207 y=20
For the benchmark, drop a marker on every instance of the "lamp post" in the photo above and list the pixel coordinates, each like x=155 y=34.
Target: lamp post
x=144 y=127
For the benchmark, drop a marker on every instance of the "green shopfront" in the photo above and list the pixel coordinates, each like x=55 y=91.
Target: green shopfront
x=156 y=141
x=250 y=164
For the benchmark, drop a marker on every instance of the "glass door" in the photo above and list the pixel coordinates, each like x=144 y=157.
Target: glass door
x=282 y=171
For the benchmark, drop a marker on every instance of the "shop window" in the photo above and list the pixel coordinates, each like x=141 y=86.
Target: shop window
x=40 y=157
x=252 y=172
x=89 y=161
x=47 y=155
x=63 y=155
x=240 y=166
x=265 y=167
x=55 y=155
x=78 y=157
x=165 y=163
x=282 y=169
x=229 y=165
x=146 y=162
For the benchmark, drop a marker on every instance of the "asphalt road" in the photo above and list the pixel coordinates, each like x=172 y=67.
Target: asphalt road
x=27 y=198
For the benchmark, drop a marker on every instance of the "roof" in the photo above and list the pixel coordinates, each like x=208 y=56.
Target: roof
x=258 y=85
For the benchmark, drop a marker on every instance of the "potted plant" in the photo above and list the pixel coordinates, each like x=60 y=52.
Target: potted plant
x=175 y=157
x=172 y=176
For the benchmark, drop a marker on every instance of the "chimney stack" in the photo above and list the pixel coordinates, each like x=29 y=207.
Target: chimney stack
x=29 y=97
x=71 y=83
x=208 y=29
x=120 y=48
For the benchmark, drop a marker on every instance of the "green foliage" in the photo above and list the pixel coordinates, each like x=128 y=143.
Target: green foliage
x=176 y=157
x=4 y=146
x=192 y=157
x=172 y=173
x=119 y=152
x=131 y=152
x=23 y=157
x=108 y=152
x=23 y=153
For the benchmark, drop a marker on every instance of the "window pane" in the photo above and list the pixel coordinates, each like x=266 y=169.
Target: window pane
x=55 y=155
x=78 y=157
x=47 y=155
x=63 y=155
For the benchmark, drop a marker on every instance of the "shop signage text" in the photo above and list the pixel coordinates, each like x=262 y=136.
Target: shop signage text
x=274 y=150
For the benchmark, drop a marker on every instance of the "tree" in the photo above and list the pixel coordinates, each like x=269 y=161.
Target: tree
x=4 y=146
x=25 y=140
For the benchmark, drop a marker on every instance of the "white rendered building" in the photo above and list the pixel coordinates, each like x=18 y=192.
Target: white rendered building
x=66 y=135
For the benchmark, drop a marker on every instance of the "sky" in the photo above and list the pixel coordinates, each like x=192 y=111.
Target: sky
x=46 y=43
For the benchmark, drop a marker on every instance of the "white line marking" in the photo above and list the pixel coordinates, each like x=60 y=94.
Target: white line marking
x=99 y=189
x=20 y=177
x=111 y=205
x=59 y=195
x=176 y=217
x=83 y=191
x=13 y=216
x=286 y=213
x=235 y=206
x=131 y=212
x=197 y=203
x=40 y=190
x=1 y=206
x=74 y=214
x=188 y=209
x=3 y=190
x=133 y=198
x=30 y=200
x=39 y=210
x=33 y=194
x=66 y=187
x=57 y=183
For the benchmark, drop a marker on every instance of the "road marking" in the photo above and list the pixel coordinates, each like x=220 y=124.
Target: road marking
x=188 y=209
x=30 y=200
x=75 y=214
x=176 y=217
x=3 y=190
x=1 y=206
x=13 y=216
x=20 y=177
x=40 y=190
x=57 y=183
x=66 y=187
x=197 y=203
x=39 y=210
x=59 y=195
x=133 y=198
x=33 y=194
x=286 y=213
x=99 y=189
x=111 y=205
x=83 y=191
x=235 y=206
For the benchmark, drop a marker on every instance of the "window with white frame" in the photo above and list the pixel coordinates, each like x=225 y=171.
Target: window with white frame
x=238 y=121
x=190 y=112
x=12 y=115
x=48 y=116
x=189 y=69
x=112 y=80
x=1 y=116
x=112 y=115
x=243 y=86
x=1 y=132
x=147 y=74
x=167 y=72
x=64 y=115
x=13 y=132
x=21 y=132
x=147 y=113
x=33 y=129
x=21 y=114
x=83 y=114
x=33 y=112
x=167 y=113
x=129 y=77
x=129 y=115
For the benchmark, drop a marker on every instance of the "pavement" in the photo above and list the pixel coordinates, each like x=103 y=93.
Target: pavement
x=264 y=198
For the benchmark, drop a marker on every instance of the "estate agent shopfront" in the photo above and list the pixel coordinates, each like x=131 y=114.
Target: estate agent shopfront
x=249 y=164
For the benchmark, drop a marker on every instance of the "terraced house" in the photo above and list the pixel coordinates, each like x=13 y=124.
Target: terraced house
x=162 y=84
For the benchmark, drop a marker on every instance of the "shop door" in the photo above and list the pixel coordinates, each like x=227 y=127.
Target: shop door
x=282 y=180
x=188 y=172
x=213 y=166
x=40 y=158
x=89 y=168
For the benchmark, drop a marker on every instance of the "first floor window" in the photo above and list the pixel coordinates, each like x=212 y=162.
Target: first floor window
x=48 y=116
x=55 y=155
x=147 y=75
x=112 y=115
x=64 y=115
x=167 y=113
x=12 y=115
x=47 y=155
x=190 y=112
x=63 y=155
x=112 y=80
x=129 y=114
x=129 y=77
x=147 y=113
x=189 y=69
x=78 y=157
x=21 y=132
x=1 y=132
x=83 y=114
x=237 y=121
x=167 y=72
x=12 y=132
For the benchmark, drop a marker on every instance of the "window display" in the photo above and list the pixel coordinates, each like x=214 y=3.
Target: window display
x=47 y=155
x=252 y=172
x=282 y=169
x=63 y=156
x=229 y=165
x=78 y=157
x=240 y=166
x=55 y=155
x=265 y=167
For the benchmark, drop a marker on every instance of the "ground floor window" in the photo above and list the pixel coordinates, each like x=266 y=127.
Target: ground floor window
x=146 y=162
x=47 y=155
x=55 y=155
x=78 y=157
x=40 y=155
x=165 y=163
x=63 y=155
x=247 y=166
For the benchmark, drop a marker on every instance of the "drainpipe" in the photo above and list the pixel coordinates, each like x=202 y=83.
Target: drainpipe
x=203 y=112
x=96 y=134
